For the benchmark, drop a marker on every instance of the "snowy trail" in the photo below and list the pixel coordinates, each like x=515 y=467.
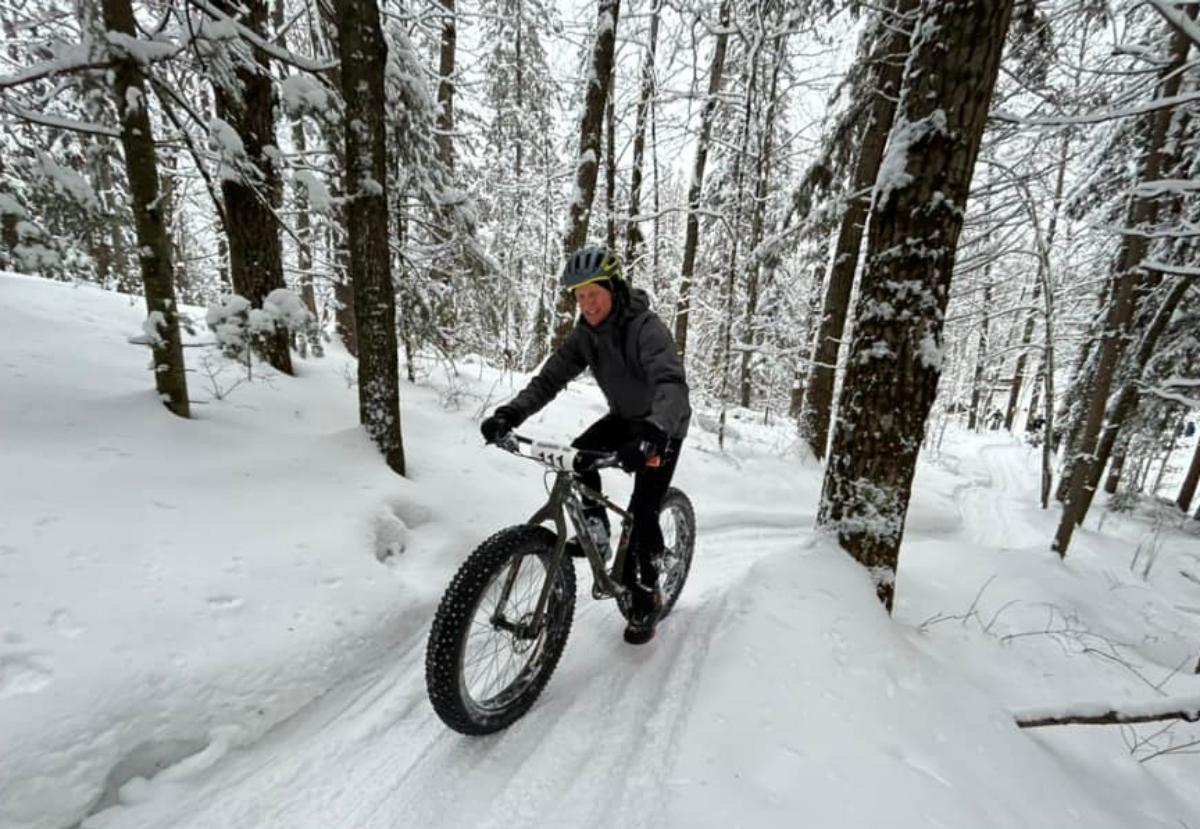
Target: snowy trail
x=1001 y=490
x=236 y=639
x=598 y=747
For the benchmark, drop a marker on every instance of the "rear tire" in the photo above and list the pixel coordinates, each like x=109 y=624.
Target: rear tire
x=481 y=678
x=677 y=518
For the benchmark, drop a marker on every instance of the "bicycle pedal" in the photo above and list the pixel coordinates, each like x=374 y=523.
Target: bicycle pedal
x=599 y=592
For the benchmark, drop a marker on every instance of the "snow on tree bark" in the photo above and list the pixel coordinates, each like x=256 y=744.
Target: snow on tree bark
x=1142 y=212
x=154 y=244
x=895 y=356
x=1127 y=398
x=753 y=335
x=363 y=58
x=691 y=242
x=633 y=231
x=885 y=77
x=250 y=183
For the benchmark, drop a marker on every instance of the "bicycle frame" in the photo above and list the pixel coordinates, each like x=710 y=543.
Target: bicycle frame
x=566 y=501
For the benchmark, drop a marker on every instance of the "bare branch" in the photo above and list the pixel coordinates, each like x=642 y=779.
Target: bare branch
x=1104 y=714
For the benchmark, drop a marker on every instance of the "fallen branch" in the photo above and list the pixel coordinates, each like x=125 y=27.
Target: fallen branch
x=1103 y=713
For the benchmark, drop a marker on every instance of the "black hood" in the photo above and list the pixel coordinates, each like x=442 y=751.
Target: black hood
x=633 y=358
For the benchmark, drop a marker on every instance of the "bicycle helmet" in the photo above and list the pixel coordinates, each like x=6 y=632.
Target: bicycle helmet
x=594 y=263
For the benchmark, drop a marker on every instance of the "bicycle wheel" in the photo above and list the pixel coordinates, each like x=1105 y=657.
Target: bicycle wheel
x=481 y=673
x=677 y=519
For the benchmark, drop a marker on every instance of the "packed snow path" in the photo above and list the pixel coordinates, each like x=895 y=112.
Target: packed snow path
x=598 y=748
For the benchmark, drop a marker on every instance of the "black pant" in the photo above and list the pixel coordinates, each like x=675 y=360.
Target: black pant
x=649 y=486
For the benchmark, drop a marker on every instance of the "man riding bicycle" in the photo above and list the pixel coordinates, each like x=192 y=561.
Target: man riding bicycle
x=632 y=356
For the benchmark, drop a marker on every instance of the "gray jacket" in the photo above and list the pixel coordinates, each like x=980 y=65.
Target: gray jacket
x=631 y=355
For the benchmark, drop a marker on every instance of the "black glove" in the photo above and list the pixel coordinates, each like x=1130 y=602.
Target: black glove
x=647 y=442
x=501 y=422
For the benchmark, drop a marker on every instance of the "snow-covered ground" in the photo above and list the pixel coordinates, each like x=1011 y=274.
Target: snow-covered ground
x=221 y=622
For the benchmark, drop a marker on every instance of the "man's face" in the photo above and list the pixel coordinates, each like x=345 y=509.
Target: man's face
x=595 y=303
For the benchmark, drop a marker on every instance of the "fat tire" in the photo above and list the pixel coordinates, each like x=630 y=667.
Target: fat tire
x=676 y=499
x=452 y=623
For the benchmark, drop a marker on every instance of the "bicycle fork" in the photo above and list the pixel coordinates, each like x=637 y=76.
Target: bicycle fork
x=563 y=499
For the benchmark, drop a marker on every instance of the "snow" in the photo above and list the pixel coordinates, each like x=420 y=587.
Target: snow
x=893 y=170
x=9 y=206
x=67 y=182
x=303 y=94
x=223 y=138
x=220 y=622
x=144 y=52
x=319 y=197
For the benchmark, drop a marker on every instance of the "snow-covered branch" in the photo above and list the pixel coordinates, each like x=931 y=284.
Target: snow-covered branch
x=278 y=52
x=78 y=60
x=57 y=121
x=1174 y=14
x=1096 y=117
x=1107 y=713
x=1166 y=267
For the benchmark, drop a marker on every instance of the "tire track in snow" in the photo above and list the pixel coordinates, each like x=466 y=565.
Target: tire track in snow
x=370 y=752
x=988 y=503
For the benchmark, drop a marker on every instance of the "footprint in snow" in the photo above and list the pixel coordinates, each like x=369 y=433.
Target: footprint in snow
x=23 y=673
x=225 y=602
x=65 y=625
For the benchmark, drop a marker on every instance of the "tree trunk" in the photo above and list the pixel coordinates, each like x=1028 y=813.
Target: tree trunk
x=1069 y=414
x=154 y=243
x=1051 y=231
x=762 y=172
x=1127 y=399
x=887 y=67
x=729 y=284
x=443 y=317
x=812 y=306
x=1188 y=490
x=1035 y=394
x=896 y=351
x=610 y=165
x=633 y=230
x=981 y=352
x=1142 y=212
x=591 y=127
x=99 y=241
x=1117 y=466
x=1176 y=432
x=255 y=256
x=445 y=90
x=304 y=247
x=691 y=240
x=363 y=58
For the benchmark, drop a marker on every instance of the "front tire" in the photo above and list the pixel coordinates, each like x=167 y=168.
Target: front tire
x=480 y=677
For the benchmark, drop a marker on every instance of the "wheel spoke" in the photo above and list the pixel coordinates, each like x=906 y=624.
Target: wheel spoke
x=494 y=659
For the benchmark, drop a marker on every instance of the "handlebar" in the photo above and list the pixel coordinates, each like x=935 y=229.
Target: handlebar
x=556 y=456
